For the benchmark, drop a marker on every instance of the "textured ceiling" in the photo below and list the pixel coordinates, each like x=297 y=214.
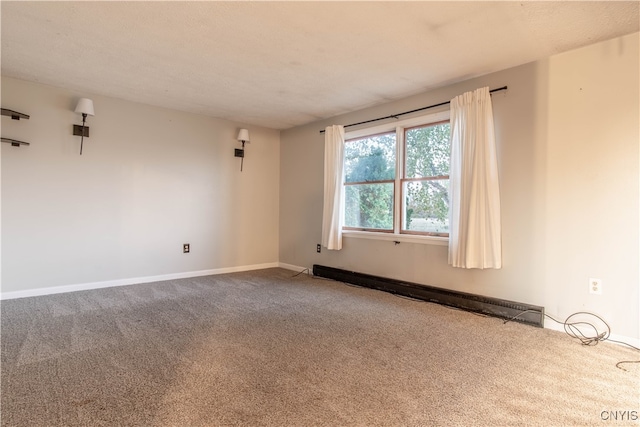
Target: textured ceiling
x=281 y=64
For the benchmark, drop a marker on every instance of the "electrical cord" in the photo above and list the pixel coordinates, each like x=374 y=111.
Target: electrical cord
x=306 y=270
x=572 y=328
x=443 y=305
x=410 y=298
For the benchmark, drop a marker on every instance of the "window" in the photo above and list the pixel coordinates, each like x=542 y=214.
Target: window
x=370 y=174
x=397 y=177
x=425 y=183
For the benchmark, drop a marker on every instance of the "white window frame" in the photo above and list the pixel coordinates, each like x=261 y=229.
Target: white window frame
x=399 y=128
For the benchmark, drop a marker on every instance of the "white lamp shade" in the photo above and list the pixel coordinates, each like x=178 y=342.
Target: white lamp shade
x=85 y=106
x=243 y=135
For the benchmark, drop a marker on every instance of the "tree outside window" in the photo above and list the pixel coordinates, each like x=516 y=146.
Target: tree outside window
x=370 y=171
x=374 y=185
x=426 y=179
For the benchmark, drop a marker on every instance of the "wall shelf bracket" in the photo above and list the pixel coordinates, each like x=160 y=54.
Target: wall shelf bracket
x=14 y=142
x=14 y=114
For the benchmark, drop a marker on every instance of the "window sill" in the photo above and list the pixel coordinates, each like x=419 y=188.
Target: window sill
x=407 y=238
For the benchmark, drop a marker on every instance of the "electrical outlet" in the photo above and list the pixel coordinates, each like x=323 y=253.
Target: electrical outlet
x=595 y=286
x=186 y=248
x=318 y=248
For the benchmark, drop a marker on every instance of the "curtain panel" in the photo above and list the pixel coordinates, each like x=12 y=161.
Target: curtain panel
x=474 y=193
x=333 y=211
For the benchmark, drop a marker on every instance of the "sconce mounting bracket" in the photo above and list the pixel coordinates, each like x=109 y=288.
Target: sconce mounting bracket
x=77 y=130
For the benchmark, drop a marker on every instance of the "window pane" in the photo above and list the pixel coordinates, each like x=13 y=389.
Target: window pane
x=369 y=206
x=370 y=159
x=428 y=151
x=426 y=206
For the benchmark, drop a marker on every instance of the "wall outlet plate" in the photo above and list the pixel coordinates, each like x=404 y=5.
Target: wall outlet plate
x=318 y=248
x=186 y=248
x=595 y=286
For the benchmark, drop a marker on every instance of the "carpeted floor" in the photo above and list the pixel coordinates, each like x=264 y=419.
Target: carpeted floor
x=263 y=348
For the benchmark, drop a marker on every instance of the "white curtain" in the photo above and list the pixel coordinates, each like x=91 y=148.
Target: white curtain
x=332 y=212
x=474 y=193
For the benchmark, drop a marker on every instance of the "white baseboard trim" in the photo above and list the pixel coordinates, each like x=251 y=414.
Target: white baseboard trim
x=292 y=267
x=549 y=324
x=132 y=281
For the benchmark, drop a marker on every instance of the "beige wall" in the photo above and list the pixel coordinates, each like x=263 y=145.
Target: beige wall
x=149 y=180
x=568 y=145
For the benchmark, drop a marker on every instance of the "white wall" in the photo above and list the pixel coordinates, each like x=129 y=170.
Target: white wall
x=568 y=144
x=149 y=180
x=592 y=180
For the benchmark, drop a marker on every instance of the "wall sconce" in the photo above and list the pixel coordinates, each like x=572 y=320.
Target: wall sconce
x=84 y=107
x=243 y=136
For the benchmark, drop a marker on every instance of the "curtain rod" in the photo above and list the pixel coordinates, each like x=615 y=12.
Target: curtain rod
x=395 y=116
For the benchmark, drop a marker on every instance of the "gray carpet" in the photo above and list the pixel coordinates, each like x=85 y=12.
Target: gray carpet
x=265 y=349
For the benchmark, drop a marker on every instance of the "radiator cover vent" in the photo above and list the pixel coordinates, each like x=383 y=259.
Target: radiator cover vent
x=496 y=307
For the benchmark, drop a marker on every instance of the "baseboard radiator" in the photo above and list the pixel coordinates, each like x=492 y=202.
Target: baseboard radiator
x=519 y=312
